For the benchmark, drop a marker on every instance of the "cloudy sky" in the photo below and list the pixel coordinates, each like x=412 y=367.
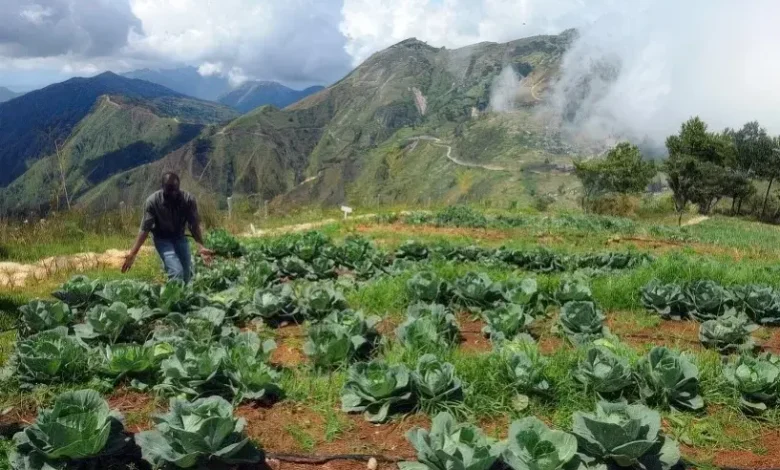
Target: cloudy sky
x=293 y=41
x=716 y=58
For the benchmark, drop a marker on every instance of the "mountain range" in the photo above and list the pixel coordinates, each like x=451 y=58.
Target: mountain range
x=413 y=124
x=244 y=98
x=6 y=94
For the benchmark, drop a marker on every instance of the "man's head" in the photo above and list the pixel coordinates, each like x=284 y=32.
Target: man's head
x=170 y=186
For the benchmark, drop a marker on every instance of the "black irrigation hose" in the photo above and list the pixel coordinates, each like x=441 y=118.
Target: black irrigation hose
x=323 y=459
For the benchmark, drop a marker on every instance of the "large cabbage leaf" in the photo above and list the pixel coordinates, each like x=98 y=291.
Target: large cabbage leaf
x=506 y=322
x=476 y=290
x=376 y=389
x=728 y=333
x=42 y=315
x=582 y=322
x=761 y=303
x=451 y=445
x=667 y=378
x=74 y=433
x=319 y=300
x=625 y=435
x=757 y=379
x=604 y=372
x=668 y=300
x=51 y=357
x=105 y=323
x=273 y=304
x=429 y=328
x=340 y=338
x=203 y=434
x=130 y=292
x=435 y=382
x=79 y=291
x=222 y=243
x=533 y=446
x=426 y=286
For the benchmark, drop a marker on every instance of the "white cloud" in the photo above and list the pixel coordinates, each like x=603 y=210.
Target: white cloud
x=295 y=41
x=714 y=58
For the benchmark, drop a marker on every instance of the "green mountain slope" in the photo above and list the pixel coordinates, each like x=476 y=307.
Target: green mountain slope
x=31 y=124
x=413 y=124
x=118 y=134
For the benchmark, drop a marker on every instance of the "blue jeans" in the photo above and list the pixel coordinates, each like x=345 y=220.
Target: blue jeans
x=176 y=258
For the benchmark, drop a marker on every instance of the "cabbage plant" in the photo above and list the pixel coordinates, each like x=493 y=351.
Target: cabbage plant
x=222 y=243
x=525 y=292
x=293 y=267
x=624 y=435
x=525 y=369
x=426 y=286
x=376 y=389
x=136 y=361
x=506 y=321
x=666 y=378
x=51 y=357
x=42 y=315
x=78 y=292
x=531 y=445
x=428 y=327
x=728 y=333
x=319 y=300
x=105 y=323
x=341 y=337
x=667 y=300
x=273 y=304
x=194 y=369
x=582 y=322
x=761 y=303
x=76 y=432
x=130 y=292
x=246 y=370
x=435 y=382
x=573 y=289
x=199 y=434
x=604 y=372
x=451 y=445
x=412 y=250
x=708 y=299
x=476 y=290
x=757 y=379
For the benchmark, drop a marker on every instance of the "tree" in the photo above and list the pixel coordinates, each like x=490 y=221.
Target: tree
x=696 y=167
x=623 y=171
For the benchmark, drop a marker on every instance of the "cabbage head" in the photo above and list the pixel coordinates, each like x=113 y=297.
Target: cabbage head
x=533 y=446
x=604 y=372
x=582 y=322
x=436 y=382
x=666 y=378
x=757 y=379
x=376 y=389
x=728 y=333
x=42 y=315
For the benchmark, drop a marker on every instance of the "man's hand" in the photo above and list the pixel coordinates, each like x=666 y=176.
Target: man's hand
x=206 y=254
x=129 y=260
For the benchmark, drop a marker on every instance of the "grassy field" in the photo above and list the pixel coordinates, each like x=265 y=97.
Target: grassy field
x=308 y=419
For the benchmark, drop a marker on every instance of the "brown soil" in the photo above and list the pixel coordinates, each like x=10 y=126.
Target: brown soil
x=473 y=341
x=770 y=440
x=773 y=343
x=412 y=230
x=665 y=246
x=549 y=343
x=289 y=346
x=137 y=408
x=677 y=334
x=387 y=327
x=275 y=427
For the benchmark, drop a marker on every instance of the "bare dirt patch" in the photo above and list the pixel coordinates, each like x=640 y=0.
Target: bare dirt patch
x=293 y=428
x=422 y=230
x=773 y=343
x=289 y=346
x=665 y=246
x=770 y=440
x=137 y=408
x=677 y=334
x=472 y=339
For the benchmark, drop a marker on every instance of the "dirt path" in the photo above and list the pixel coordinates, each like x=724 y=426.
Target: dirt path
x=695 y=220
x=437 y=142
x=16 y=275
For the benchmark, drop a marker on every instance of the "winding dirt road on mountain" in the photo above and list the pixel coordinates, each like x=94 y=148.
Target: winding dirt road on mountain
x=437 y=142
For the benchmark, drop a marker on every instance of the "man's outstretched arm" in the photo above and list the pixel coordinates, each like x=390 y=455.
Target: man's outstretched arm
x=197 y=235
x=130 y=258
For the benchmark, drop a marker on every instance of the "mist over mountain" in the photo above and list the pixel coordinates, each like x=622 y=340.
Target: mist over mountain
x=6 y=94
x=185 y=80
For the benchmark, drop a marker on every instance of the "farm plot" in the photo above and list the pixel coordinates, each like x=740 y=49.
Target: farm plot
x=427 y=355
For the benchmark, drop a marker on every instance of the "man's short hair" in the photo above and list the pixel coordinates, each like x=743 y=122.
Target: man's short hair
x=170 y=177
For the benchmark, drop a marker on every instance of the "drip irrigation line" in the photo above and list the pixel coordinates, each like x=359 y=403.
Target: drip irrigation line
x=323 y=459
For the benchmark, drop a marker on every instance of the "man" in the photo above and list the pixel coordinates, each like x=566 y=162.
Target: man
x=166 y=213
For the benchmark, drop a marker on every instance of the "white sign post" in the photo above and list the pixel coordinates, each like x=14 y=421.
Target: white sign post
x=346 y=210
